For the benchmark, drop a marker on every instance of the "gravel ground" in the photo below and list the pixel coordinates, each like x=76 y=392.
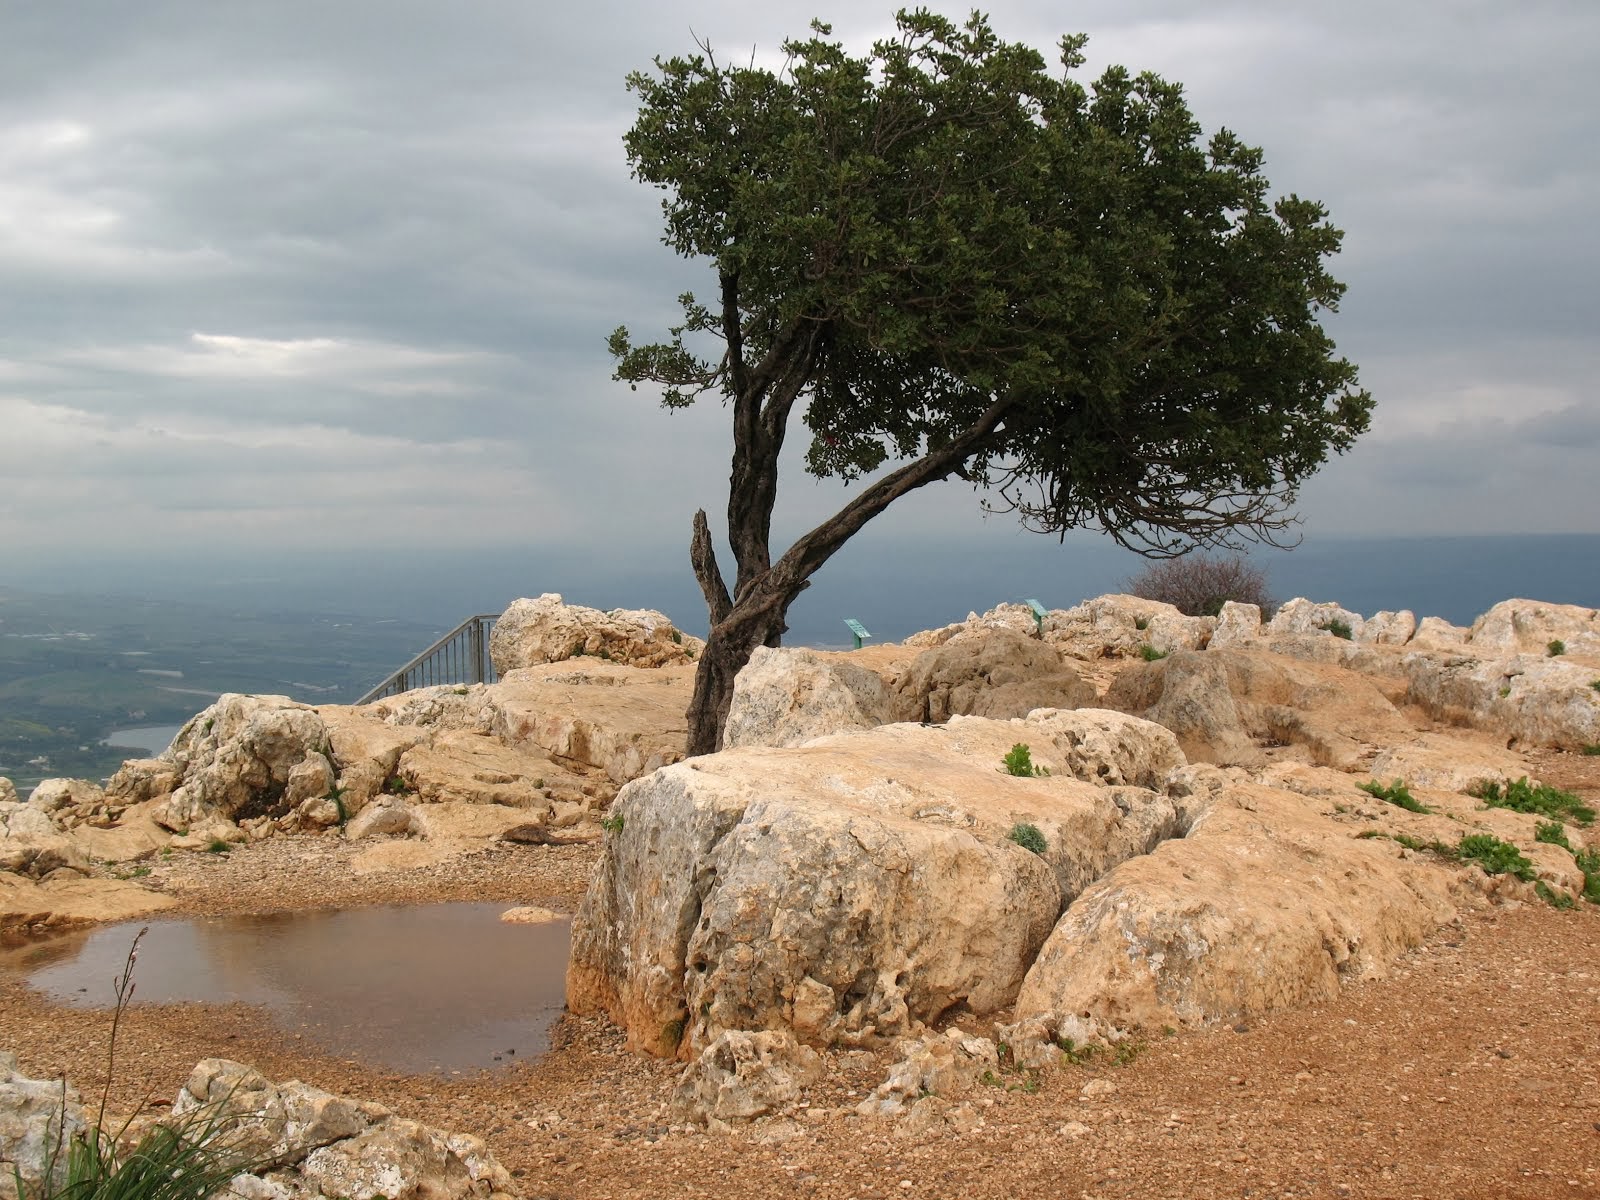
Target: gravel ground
x=1473 y=1070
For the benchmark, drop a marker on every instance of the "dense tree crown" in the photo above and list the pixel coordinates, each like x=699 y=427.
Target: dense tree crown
x=944 y=253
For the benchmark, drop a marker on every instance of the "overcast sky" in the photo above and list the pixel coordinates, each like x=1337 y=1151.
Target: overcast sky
x=325 y=275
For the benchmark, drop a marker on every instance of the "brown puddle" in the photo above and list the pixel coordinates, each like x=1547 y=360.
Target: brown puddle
x=422 y=988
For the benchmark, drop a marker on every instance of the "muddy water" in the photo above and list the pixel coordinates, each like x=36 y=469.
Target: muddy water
x=435 y=988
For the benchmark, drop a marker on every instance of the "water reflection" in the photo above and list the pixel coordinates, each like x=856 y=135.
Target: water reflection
x=413 y=988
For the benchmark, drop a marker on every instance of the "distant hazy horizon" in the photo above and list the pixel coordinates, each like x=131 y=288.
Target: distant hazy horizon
x=894 y=587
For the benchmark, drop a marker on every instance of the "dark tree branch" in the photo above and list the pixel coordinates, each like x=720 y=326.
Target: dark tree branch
x=703 y=558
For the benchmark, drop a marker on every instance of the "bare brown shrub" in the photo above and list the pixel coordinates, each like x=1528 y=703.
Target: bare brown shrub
x=1198 y=585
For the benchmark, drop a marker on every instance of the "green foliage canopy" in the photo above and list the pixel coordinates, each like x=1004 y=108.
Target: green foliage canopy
x=1094 y=312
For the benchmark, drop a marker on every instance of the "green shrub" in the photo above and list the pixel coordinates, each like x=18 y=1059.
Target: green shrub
x=613 y=823
x=1591 y=750
x=1339 y=629
x=1544 y=800
x=1395 y=794
x=1019 y=762
x=1552 y=833
x=1589 y=863
x=1552 y=897
x=1555 y=648
x=1150 y=654
x=1141 y=623
x=1494 y=856
x=217 y=846
x=1028 y=837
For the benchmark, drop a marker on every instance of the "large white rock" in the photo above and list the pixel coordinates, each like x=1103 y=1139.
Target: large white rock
x=36 y=1120
x=32 y=844
x=1435 y=633
x=307 y=1142
x=1119 y=625
x=1515 y=627
x=235 y=758
x=1305 y=616
x=742 y=1075
x=547 y=630
x=784 y=697
x=1265 y=904
x=989 y=673
x=1018 y=618
x=1237 y=624
x=8 y=791
x=1389 y=628
x=854 y=887
x=1535 y=699
x=1223 y=704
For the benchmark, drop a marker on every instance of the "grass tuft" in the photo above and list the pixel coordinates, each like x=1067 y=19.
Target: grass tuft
x=1150 y=654
x=1396 y=794
x=1543 y=800
x=1028 y=837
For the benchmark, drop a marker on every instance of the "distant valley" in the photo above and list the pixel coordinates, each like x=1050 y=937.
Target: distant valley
x=75 y=668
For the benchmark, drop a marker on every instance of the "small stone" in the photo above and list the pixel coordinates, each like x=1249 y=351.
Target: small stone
x=1241 y=1027
x=1098 y=1087
x=1073 y=1129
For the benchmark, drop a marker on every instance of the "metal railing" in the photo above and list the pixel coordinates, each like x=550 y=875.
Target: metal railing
x=460 y=656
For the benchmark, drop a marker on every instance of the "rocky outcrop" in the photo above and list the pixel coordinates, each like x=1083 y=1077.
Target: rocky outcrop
x=992 y=673
x=31 y=844
x=8 y=791
x=1519 y=627
x=236 y=759
x=1017 y=618
x=1265 y=904
x=742 y=1075
x=1300 y=615
x=851 y=888
x=1224 y=705
x=1534 y=699
x=1448 y=764
x=947 y=1065
x=1119 y=626
x=784 y=697
x=37 y=1117
x=547 y=630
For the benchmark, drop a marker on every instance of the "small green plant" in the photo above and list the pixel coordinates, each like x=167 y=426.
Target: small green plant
x=1442 y=849
x=1075 y=1054
x=1596 y=685
x=578 y=651
x=672 y=1034
x=1150 y=654
x=209 y=722
x=677 y=638
x=1589 y=863
x=990 y=1079
x=1396 y=794
x=1019 y=762
x=613 y=823
x=337 y=796
x=1505 y=691
x=605 y=654
x=1495 y=857
x=1028 y=837
x=461 y=691
x=1339 y=628
x=1591 y=750
x=1141 y=623
x=1555 y=648
x=1552 y=833
x=1555 y=899
x=1127 y=1051
x=217 y=846
x=396 y=786
x=1544 y=800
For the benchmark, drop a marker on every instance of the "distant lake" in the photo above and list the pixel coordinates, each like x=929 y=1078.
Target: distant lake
x=152 y=739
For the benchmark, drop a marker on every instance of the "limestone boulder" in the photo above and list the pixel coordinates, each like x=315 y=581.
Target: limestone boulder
x=620 y=721
x=547 y=630
x=235 y=758
x=141 y=779
x=741 y=1075
x=1225 y=705
x=1435 y=633
x=846 y=890
x=472 y=768
x=33 y=845
x=1237 y=624
x=1301 y=616
x=302 y=1141
x=1016 y=618
x=1389 y=628
x=1118 y=626
x=8 y=791
x=784 y=697
x=36 y=1119
x=1527 y=627
x=1266 y=904
x=66 y=798
x=1449 y=764
x=1535 y=700
x=947 y=1064
x=993 y=673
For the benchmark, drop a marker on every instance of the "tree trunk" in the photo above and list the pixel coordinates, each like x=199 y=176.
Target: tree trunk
x=728 y=649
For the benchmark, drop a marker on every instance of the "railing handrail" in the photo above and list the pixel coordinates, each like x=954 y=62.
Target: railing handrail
x=481 y=621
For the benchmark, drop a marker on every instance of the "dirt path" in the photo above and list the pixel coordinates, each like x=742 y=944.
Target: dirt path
x=1474 y=1070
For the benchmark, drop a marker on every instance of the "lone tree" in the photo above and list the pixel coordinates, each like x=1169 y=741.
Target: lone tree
x=944 y=254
